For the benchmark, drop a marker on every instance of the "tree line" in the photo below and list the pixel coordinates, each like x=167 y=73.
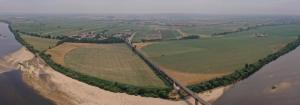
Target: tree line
x=63 y=39
x=249 y=28
x=101 y=83
x=245 y=72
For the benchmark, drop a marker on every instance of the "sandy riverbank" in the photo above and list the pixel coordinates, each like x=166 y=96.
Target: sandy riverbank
x=214 y=94
x=67 y=91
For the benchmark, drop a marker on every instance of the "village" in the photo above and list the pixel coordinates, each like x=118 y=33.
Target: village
x=103 y=35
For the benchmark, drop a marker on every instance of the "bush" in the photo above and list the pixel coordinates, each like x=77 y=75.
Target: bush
x=191 y=37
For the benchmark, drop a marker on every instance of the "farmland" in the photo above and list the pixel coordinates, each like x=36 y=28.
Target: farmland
x=114 y=62
x=40 y=44
x=190 y=60
x=219 y=55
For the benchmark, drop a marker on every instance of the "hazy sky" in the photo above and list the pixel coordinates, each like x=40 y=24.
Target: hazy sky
x=291 y=7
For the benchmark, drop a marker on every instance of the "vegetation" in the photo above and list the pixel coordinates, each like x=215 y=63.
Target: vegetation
x=38 y=43
x=248 y=28
x=114 y=62
x=191 y=37
x=92 y=40
x=244 y=72
x=234 y=40
x=169 y=34
x=210 y=56
x=63 y=39
x=104 y=84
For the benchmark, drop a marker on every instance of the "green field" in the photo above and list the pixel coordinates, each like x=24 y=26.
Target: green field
x=211 y=29
x=221 y=54
x=40 y=44
x=67 y=26
x=169 y=34
x=114 y=62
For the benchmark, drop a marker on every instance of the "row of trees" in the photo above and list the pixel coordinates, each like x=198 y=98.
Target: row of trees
x=42 y=36
x=245 y=72
x=248 y=28
x=92 y=40
x=190 y=37
x=104 y=84
x=74 y=40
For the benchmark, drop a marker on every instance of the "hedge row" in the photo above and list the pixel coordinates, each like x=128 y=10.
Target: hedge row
x=250 y=28
x=74 y=40
x=190 y=37
x=245 y=72
x=90 y=40
x=104 y=84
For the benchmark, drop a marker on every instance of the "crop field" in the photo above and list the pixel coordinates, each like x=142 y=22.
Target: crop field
x=169 y=34
x=68 y=26
x=145 y=33
x=114 y=62
x=211 y=29
x=217 y=56
x=40 y=44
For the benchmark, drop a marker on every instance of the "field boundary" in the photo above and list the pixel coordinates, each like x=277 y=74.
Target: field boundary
x=238 y=75
x=103 y=84
x=245 y=72
x=166 y=77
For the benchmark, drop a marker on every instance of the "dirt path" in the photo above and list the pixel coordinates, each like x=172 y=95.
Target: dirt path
x=142 y=45
x=58 y=53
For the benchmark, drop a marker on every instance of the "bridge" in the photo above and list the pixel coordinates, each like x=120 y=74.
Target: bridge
x=176 y=84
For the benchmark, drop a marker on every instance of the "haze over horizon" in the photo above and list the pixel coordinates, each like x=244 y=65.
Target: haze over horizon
x=264 y=7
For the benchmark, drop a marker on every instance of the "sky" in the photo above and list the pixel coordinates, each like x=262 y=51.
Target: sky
x=273 y=7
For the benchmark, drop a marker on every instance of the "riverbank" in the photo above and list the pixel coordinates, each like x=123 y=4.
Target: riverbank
x=64 y=90
x=212 y=95
x=275 y=84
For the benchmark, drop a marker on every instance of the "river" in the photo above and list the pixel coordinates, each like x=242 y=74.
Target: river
x=275 y=84
x=13 y=91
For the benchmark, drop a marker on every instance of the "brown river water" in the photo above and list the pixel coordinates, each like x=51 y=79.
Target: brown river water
x=13 y=91
x=277 y=83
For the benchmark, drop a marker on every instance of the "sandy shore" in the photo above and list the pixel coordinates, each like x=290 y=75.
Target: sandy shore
x=214 y=94
x=67 y=91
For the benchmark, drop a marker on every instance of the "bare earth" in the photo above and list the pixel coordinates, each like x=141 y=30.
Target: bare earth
x=212 y=95
x=58 y=53
x=142 y=45
x=190 y=78
x=67 y=91
x=279 y=87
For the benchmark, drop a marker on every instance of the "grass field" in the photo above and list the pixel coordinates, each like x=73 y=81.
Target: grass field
x=40 y=44
x=220 y=55
x=67 y=26
x=114 y=62
x=169 y=34
x=210 y=29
